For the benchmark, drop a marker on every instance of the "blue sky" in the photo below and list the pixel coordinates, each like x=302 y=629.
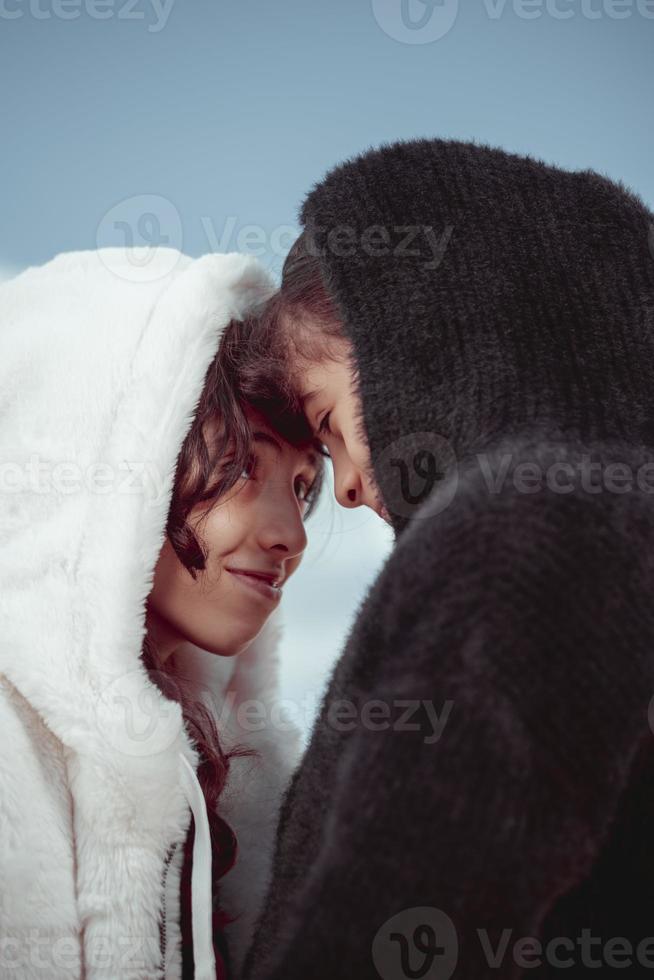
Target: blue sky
x=205 y=123
x=231 y=109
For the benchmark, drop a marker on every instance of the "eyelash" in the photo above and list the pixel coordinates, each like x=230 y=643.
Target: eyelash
x=251 y=467
x=307 y=491
x=324 y=425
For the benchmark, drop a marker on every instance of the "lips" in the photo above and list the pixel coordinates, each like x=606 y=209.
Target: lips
x=273 y=578
x=266 y=584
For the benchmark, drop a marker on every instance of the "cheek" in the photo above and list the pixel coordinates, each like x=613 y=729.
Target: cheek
x=357 y=449
x=221 y=531
x=354 y=433
x=173 y=589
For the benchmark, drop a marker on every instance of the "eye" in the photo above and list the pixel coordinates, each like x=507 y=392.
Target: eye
x=249 y=471
x=324 y=425
x=303 y=488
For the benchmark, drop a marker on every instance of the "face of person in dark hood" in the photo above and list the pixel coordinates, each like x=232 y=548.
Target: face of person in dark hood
x=254 y=537
x=331 y=403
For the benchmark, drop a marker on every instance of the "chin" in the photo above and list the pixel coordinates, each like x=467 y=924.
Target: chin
x=221 y=649
x=221 y=652
x=229 y=646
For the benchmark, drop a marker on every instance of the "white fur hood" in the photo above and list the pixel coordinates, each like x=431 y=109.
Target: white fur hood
x=102 y=361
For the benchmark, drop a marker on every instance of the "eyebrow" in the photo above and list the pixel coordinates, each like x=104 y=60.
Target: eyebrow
x=266 y=437
x=310 y=395
x=260 y=436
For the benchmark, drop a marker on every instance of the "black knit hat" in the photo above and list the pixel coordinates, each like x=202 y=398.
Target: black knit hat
x=487 y=294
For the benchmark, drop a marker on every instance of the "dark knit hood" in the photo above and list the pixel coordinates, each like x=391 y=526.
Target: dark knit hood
x=487 y=294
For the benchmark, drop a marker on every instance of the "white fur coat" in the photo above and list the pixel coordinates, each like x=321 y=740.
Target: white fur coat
x=102 y=360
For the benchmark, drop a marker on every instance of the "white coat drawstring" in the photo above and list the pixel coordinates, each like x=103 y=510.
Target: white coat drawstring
x=201 y=888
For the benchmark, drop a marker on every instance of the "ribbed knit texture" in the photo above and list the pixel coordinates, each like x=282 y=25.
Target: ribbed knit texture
x=541 y=308
x=531 y=614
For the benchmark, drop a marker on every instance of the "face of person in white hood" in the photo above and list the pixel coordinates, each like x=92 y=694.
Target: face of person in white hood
x=254 y=538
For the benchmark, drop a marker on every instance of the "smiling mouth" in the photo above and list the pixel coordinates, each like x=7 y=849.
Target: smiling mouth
x=257 y=584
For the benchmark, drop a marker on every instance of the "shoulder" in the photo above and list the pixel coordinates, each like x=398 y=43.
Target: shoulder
x=535 y=546
x=513 y=501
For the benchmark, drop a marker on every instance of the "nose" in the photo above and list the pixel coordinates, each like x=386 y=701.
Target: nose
x=348 y=488
x=282 y=530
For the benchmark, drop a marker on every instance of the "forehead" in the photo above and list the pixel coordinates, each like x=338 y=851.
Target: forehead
x=331 y=378
x=309 y=339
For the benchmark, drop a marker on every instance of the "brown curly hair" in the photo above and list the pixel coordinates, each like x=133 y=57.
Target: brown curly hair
x=243 y=373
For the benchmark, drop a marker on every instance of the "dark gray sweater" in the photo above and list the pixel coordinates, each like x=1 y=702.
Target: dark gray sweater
x=477 y=798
